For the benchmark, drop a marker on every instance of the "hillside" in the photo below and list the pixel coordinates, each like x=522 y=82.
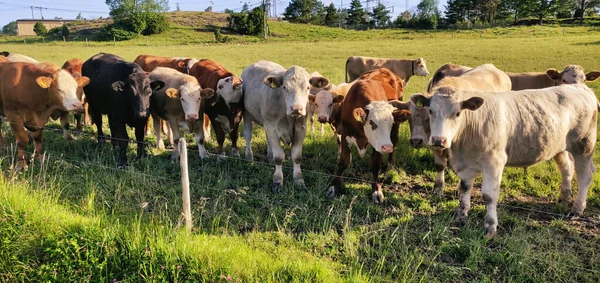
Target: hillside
x=199 y=27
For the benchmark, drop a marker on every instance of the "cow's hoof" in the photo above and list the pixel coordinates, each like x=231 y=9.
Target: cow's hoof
x=276 y=187
x=438 y=191
x=330 y=192
x=300 y=184
x=235 y=153
x=161 y=145
x=20 y=167
x=490 y=231
x=575 y=212
x=121 y=166
x=377 y=197
x=69 y=137
x=461 y=218
x=221 y=156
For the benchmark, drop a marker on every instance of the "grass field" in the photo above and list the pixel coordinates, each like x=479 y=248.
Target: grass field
x=77 y=218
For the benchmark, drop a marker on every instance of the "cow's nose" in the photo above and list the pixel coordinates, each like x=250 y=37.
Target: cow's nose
x=297 y=108
x=191 y=117
x=387 y=148
x=416 y=143
x=322 y=119
x=77 y=105
x=438 y=142
x=143 y=114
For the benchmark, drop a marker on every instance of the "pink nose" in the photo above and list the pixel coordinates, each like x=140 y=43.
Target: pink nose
x=77 y=105
x=297 y=108
x=387 y=148
x=191 y=117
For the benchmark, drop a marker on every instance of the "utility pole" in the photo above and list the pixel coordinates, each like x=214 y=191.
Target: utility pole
x=178 y=10
x=341 y=12
x=32 y=16
x=264 y=19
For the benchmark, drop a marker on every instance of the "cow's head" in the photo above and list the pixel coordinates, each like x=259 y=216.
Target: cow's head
x=295 y=86
x=229 y=102
x=64 y=86
x=324 y=102
x=420 y=67
x=187 y=64
x=445 y=115
x=419 y=124
x=80 y=94
x=377 y=120
x=137 y=89
x=191 y=96
x=572 y=74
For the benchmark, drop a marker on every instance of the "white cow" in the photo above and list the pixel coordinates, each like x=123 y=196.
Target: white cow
x=276 y=99
x=514 y=129
x=15 y=57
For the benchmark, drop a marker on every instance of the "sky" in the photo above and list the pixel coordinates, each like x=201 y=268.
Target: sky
x=11 y=10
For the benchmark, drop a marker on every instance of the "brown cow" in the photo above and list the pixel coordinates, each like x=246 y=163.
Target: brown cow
x=369 y=119
x=572 y=74
x=404 y=68
x=28 y=95
x=4 y=59
x=226 y=113
x=150 y=62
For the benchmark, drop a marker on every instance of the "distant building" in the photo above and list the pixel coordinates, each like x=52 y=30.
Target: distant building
x=25 y=26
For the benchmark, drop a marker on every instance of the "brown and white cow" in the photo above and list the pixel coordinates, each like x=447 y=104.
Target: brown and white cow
x=150 y=62
x=446 y=70
x=572 y=74
x=4 y=59
x=487 y=132
x=28 y=95
x=225 y=113
x=15 y=57
x=371 y=115
x=276 y=98
x=312 y=108
x=484 y=77
x=73 y=66
x=404 y=68
x=181 y=102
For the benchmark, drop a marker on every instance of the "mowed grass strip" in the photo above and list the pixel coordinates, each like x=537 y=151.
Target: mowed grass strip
x=411 y=237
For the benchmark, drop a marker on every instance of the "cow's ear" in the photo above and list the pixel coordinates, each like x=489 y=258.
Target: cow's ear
x=360 y=114
x=172 y=93
x=44 y=82
x=237 y=86
x=592 y=76
x=472 y=103
x=319 y=82
x=118 y=86
x=419 y=100
x=157 y=85
x=312 y=97
x=553 y=74
x=399 y=105
x=273 y=82
x=338 y=98
x=401 y=115
x=181 y=64
x=209 y=96
x=82 y=81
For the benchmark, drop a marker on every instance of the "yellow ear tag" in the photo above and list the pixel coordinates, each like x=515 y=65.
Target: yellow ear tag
x=43 y=84
x=213 y=103
x=273 y=85
x=419 y=104
x=358 y=119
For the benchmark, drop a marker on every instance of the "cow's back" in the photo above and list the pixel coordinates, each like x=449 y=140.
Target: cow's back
x=261 y=101
x=18 y=87
x=532 y=80
x=390 y=82
x=484 y=77
x=446 y=70
x=73 y=65
x=208 y=73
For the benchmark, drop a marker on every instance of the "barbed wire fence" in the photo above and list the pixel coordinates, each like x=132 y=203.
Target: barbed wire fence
x=202 y=187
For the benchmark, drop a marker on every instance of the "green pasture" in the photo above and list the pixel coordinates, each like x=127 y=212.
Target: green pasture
x=77 y=218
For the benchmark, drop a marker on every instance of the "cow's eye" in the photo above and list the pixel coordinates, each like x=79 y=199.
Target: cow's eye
x=330 y=105
x=181 y=99
x=221 y=87
x=430 y=112
x=284 y=87
x=564 y=81
x=308 y=87
x=457 y=114
x=373 y=125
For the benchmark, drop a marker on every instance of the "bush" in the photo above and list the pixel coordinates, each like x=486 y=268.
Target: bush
x=65 y=31
x=136 y=23
x=155 y=23
x=220 y=38
x=249 y=23
x=40 y=29
x=54 y=31
x=116 y=32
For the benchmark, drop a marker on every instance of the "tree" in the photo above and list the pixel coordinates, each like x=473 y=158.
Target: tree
x=125 y=8
x=332 y=18
x=40 y=29
x=64 y=31
x=380 y=16
x=79 y=17
x=10 y=28
x=138 y=16
x=245 y=8
x=305 y=11
x=541 y=8
x=208 y=9
x=356 y=14
x=583 y=5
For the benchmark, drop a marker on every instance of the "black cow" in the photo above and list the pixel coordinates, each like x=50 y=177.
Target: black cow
x=121 y=90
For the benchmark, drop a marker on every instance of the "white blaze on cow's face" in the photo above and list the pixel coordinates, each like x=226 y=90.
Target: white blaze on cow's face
x=420 y=67
x=377 y=119
x=190 y=97
x=295 y=87
x=191 y=63
x=230 y=89
x=324 y=101
x=445 y=116
x=419 y=126
x=67 y=86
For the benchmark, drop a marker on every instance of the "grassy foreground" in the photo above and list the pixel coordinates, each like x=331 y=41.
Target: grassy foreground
x=77 y=218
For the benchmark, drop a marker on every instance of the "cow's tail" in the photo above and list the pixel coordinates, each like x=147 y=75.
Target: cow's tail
x=347 y=61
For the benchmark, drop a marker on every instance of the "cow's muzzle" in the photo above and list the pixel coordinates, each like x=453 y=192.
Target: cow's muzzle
x=438 y=142
x=417 y=143
x=387 y=148
x=323 y=119
x=191 y=117
x=297 y=111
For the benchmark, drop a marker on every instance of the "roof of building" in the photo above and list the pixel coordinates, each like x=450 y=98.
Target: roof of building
x=45 y=20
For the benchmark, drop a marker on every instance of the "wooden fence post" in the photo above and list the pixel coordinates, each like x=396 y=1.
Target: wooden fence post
x=185 y=184
x=64 y=41
x=86 y=42
x=115 y=41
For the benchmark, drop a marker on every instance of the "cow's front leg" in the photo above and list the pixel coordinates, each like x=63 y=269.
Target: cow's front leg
x=139 y=137
x=248 y=137
x=64 y=123
x=22 y=141
x=584 y=167
x=38 y=144
x=278 y=157
x=564 y=161
x=220 y=134
x=200 y=138
x=344 y=161
x=97 y=119
x=299 y=136
x=176 y=134
x=441 y=160
x=78 y=121
x=394 y=140
x=233 y=136
x=157 y=132
x=374 y=165
x=464 y=188
x=2 y=140
x=120 y=139
x=490 y=190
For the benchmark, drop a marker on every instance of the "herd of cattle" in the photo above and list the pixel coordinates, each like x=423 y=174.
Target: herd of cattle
x=479 y=120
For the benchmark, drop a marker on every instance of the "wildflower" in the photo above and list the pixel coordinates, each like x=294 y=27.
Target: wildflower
x=25 y=215
x=114 y=280
x=179 y=267
x=54 y=272
x=162 y=267
x=84 y=249
x=228 y=278
x=97 y=243
x=222 y=276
